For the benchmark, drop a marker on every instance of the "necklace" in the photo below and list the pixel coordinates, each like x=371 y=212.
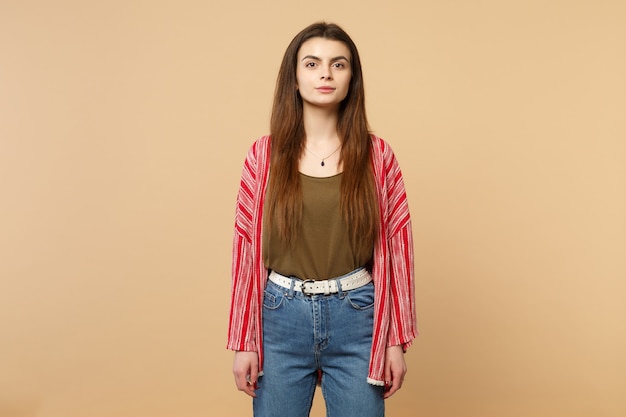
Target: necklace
x=323 y=159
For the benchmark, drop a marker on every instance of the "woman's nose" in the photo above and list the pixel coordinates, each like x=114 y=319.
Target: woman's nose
x=326 y=75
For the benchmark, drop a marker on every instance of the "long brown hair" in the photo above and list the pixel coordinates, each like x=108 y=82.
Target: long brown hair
x=358 y=201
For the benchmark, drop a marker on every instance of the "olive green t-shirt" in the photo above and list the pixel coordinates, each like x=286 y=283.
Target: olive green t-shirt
x=322 y=249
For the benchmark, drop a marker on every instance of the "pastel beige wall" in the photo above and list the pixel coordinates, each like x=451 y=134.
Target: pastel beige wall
x=123 y=125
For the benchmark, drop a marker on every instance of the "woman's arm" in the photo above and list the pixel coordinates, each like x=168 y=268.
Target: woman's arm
x=402 y=327
x=241 y=329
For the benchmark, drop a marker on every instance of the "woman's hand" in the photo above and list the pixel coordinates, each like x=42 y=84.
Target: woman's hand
x=246 y=371
x=395 y=369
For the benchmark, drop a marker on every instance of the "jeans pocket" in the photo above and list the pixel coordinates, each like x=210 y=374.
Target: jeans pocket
x=361 y=298
x=272 y=297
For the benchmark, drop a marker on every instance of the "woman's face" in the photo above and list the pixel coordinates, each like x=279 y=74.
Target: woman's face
x=323 y=72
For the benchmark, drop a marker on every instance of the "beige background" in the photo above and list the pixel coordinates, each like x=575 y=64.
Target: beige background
x=123 y=126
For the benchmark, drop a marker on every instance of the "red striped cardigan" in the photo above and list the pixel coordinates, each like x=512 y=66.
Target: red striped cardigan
x=394 y=314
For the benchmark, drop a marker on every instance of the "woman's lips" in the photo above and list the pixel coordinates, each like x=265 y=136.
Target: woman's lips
x=325 y=89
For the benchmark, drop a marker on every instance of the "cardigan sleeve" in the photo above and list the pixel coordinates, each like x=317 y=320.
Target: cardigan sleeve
x=243 y=307
x=402 y=323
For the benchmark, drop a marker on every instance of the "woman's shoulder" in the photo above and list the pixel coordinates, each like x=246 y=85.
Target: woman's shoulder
x=259 y=147
x=261 y=142
x=381 y=147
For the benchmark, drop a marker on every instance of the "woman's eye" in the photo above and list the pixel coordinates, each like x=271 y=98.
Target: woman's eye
x=339 y=65
x=310 y=64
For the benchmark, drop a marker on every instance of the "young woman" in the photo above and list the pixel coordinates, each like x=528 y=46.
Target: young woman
x=323 y=253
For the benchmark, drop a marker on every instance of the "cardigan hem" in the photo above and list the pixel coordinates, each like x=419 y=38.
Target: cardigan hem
x=375 y=382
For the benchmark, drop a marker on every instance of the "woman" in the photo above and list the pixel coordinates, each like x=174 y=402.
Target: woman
x=323 y=252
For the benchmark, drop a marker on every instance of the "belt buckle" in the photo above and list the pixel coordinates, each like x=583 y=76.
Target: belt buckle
x=304 y=282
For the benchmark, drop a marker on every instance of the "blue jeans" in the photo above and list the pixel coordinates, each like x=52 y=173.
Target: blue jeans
x=303 y=334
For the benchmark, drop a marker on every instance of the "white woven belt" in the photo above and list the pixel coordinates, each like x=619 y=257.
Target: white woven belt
x=327 y=286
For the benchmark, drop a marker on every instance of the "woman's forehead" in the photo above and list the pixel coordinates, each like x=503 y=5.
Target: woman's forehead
x=323 y=49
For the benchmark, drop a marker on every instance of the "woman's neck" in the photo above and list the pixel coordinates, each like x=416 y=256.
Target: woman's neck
x=320 y=125
x=322 y=144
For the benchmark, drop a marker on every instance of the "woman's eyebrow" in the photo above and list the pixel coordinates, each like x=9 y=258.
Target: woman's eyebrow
x=337 y=58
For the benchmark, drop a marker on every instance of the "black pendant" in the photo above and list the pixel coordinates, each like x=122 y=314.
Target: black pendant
x=322 y=163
